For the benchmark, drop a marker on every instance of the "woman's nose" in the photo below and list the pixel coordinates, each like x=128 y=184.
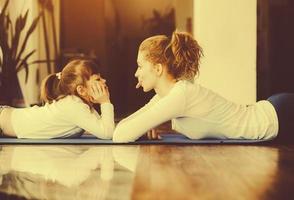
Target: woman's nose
x=137 y=73
x=101 y=80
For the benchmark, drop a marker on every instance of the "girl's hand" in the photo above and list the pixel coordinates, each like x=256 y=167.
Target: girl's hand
x=99 y=93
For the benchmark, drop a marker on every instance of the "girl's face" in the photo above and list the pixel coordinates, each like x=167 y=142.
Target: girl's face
x=94 y=78
x=145 y=73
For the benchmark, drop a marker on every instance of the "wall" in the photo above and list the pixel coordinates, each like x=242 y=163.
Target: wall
x=132 y=13
x=226 y=30
x=83 y=27
x=184 y=10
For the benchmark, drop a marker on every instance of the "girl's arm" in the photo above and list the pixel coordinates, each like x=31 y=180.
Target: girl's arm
x=89 y=120
x=166 y=108
x=99 y=94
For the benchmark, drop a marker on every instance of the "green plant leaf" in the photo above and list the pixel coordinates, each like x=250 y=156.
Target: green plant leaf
x=16 y=36
x=4 y=38
x=1 y=63
x=9 y=23
x=2 y=13
x=41 y=61
x=28 y=33
x=26 y=67
x=24 y=19
x=24 y=61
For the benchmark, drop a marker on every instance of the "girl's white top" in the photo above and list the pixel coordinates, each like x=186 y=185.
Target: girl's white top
x=60 y=119
x=198 y=112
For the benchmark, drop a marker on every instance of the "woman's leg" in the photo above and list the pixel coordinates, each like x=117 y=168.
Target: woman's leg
x=284 y=106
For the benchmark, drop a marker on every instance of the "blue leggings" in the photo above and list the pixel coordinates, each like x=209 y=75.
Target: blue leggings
x=284 y=106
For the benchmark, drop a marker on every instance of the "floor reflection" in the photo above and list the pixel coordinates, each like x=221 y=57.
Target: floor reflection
x=206 y=172
x=144 y=172
x=67 y=172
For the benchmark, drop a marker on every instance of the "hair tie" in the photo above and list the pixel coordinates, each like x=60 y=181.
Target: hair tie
x=58 y=75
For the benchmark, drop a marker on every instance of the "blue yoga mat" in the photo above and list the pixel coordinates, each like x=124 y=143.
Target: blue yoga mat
x=166 y=139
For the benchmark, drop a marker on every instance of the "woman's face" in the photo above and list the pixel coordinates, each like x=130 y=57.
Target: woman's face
x=145 y=73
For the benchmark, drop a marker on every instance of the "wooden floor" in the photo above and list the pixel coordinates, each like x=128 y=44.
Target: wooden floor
x=147 y=172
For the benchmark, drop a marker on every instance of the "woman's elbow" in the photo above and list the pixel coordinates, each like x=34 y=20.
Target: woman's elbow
x=120 y=136
x=104 y=137
x=107 y=137
x=117 y=139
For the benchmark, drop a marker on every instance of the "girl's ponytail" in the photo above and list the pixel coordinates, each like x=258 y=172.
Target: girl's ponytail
x=50 y=88
x=59 y=85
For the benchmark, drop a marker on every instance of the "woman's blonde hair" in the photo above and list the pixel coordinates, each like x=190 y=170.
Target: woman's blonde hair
x=58 y=85
x=180 y=54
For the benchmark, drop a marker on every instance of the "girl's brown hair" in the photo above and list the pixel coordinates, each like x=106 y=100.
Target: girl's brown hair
x=180 y=54
x=58 y=85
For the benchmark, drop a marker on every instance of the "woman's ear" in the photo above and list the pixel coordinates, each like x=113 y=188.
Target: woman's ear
x=81 y=90
x=158 y=69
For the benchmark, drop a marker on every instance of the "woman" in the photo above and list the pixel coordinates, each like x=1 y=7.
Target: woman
x=168 y=66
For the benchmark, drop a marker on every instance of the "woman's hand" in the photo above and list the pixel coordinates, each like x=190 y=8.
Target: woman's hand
x=99 y=93
x=166 y=128
x=154 y=134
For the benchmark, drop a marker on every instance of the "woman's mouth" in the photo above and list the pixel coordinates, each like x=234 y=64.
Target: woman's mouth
x=138 y=85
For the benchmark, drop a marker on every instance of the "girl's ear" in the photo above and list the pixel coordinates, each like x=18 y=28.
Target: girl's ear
x=81 y=90
x=158 y=69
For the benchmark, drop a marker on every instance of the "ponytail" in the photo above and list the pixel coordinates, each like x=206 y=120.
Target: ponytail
x=180 y=54
x=50 y=88
x=183 y=55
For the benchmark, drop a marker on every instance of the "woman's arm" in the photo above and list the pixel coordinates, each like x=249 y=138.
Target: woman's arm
x=136 y=125
x=151 y=102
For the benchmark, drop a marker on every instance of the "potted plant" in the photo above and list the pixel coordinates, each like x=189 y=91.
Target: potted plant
x=13 y=57
x=160 y=23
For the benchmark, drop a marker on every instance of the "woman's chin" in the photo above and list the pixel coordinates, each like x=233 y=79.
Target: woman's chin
x=146 y=89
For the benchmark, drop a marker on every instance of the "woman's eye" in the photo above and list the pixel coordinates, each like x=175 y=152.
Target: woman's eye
x=97 y=78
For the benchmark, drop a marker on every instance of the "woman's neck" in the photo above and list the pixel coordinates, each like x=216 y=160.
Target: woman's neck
x=164 y=86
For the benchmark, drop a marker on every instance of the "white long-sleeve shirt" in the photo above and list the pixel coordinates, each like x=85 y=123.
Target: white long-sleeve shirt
x=198 y=112
x=58 y=118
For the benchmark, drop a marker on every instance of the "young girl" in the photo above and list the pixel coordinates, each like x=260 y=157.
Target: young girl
x=168 y=66
x=69 y=97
